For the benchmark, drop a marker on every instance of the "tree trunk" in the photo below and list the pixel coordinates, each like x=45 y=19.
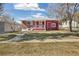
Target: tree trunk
x=70 y=25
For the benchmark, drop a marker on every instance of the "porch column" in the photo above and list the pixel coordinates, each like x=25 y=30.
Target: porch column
x=35 y=24
x=45 y=25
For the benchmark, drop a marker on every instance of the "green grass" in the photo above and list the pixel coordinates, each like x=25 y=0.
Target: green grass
x=54 y=48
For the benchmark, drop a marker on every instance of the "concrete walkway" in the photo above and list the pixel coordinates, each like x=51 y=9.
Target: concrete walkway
x=45 y=41
x=55 y=40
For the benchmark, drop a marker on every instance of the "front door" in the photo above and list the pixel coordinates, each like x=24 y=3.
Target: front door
x=51 y=26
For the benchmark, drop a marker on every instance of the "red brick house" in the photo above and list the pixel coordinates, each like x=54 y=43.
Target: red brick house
x=40 y=24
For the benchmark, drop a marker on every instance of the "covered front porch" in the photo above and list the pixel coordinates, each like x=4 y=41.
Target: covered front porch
x=34 y=25
x=40 y=25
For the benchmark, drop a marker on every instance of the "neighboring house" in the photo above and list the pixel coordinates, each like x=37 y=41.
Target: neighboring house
x=37 y=24
x=8 y=25
x=65 y=25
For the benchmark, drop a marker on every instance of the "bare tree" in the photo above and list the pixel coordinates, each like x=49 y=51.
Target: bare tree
x=1 y=9
x=66 y=11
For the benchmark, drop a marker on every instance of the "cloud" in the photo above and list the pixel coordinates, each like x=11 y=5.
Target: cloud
x=24 y=18
x=37 y=16
x=28 y=6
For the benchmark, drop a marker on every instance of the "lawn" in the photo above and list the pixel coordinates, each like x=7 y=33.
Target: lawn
x=40 y=49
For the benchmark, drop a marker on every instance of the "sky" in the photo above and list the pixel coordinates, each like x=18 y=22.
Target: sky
x=21 y=11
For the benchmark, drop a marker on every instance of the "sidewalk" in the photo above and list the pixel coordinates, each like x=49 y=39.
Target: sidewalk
x=45 y=41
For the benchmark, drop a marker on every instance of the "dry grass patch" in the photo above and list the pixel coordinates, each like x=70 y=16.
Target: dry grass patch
x=7 y=36
x=53 y=48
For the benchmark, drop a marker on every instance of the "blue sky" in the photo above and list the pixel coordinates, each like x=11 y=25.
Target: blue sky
x=20 y=11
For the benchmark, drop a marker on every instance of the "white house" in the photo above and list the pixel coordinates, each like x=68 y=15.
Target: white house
x=65 y=25
x=8 y=25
